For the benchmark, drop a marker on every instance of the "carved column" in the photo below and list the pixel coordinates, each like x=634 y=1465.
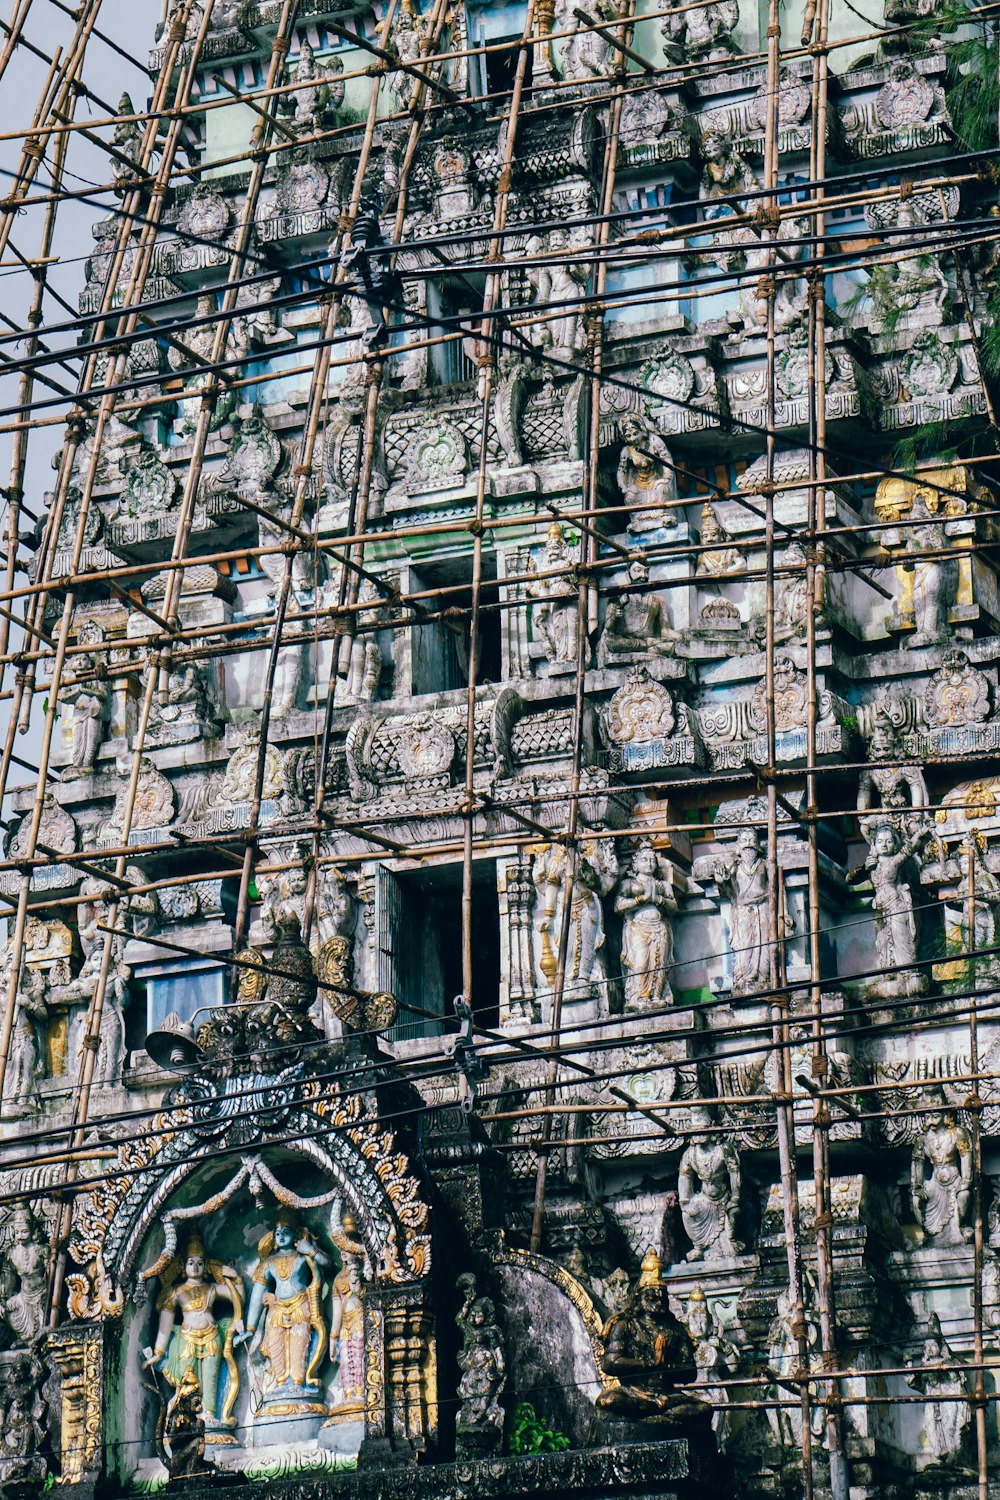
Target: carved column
x=517 y=894
x=77 y=1352
x=401 y=1361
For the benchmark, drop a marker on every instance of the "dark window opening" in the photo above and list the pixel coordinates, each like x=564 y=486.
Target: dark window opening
x=455 y=307
x=501 y=67
x=419 y=919
x=441 y=647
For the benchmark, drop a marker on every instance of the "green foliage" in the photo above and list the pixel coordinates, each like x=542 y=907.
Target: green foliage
x=529 y=1434
x=929 y=441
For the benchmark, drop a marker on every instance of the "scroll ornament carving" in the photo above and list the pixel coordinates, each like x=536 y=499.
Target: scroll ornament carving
x=642 y=710
x=958 y=694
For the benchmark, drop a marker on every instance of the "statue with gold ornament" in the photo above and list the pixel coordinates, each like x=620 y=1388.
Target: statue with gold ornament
x=192 y=1340
x=285 y=1327
x=649 y=1353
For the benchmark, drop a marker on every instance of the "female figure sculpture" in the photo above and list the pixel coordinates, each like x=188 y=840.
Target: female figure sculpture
x=347 y=1339
x=896 y=935
x=946 y=1415
x=709 y=1180
x=24 y=1278
x=555 y=615
x=645 y=474
x=647 y=945
x=192 y=1340
x=742 y=877
x=87 y=697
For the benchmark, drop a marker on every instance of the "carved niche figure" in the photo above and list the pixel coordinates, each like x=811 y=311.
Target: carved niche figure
x=942 y=1201
x=25 y=1058
x=979 y=894
x=913 y=281
x=742 y=878
x=347 y=1325
x=726 y=174
x=87 y=698
x=555 y=614
x=636 y=625
x=648 y=1350
x=899 y=791
x=364 y=653
x=703 y=33
x=644 y=899
x=791 y=601
x=127 y=140
x=708 y=1189
x=479 y=1423
x=23 y=1427
x=284 y=1324
x=645 y=474
x=184 y=1433
x=181 y=713
x=715 y=1356
x=24 y=1277
x=935 y=578
x=191 y=1338
x=596 y=869
x=556 y=282
x=784 y=1361
x=897 y=936
x=318 y=93
x=585 y=53
x=718 y=556
x=946 y=1415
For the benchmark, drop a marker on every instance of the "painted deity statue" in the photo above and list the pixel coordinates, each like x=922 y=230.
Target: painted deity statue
x=649 y=1352
x=645 y=899
x=555 y=612
x=942 y=1199
x=708 y=1189
x=285 y=1322
x=192 y=1339
x=636 y=626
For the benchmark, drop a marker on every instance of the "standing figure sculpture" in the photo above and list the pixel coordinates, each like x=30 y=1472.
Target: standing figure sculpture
x=285 y=1320
x=644 y=899
x=479 y=1424
x=708 y=1189
x=87 y=698
x=701 y=33
x=896 y=933
x=363 y=652
x=742 y=878
x=24 y=1278
x=935 y=576
x=596 y=869
x=192 y=1340
x=942 y=1200
x=947 y=1415
x=645 y=475
x=347 y=1326
x=555 y=614
x=715 y=1357
x=25 y=1058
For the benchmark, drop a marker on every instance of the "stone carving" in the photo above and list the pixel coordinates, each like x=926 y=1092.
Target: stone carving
x=479 y=1422
x=929 y=367
x=645 y=899
x=318 y=93
x=942 y=1199
x=192 y=1339
x=648 y=1351
x=900 y=792
x=935 y=578
x=555 y=613
x=784 y=1361
x=25 y=1056
x=947 y=1417
x=641 y=710
x=979 y=894
x=253 y=459
x=557 y=280
x=127 y=140
x=152 y=808
x=645 y=475
x=726 y=177
x=790 y=697
x=149 y=488
x=912 y=282
x=897 y=930
x=24 y=1277
x=57 y=834
x=438 y=457
x=364 y=660
x=702 y=34
x=743 y=880
x=87 y=697
x=908 y=98
x=285 y=1327
x=199 y=341
x=719 y=556
x=347 y=1326
x=585 y=53
x=23 y=1424
x=181 y=714
x=715 y=1356
x=206 y=214
x=708 y=1190
x=594 y=876
x=792 y=601
x=958 y=694
x=636 y=625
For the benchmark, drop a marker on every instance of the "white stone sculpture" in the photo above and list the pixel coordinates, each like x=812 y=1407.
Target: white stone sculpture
x=942 y=1197
x=645 y=475
x=645 y=899
x=708 y=1190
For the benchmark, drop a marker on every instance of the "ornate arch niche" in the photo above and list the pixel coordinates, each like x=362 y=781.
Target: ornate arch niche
x=225 y=1164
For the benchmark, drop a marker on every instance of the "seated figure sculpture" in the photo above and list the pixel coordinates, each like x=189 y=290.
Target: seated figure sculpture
x=649 y=1352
